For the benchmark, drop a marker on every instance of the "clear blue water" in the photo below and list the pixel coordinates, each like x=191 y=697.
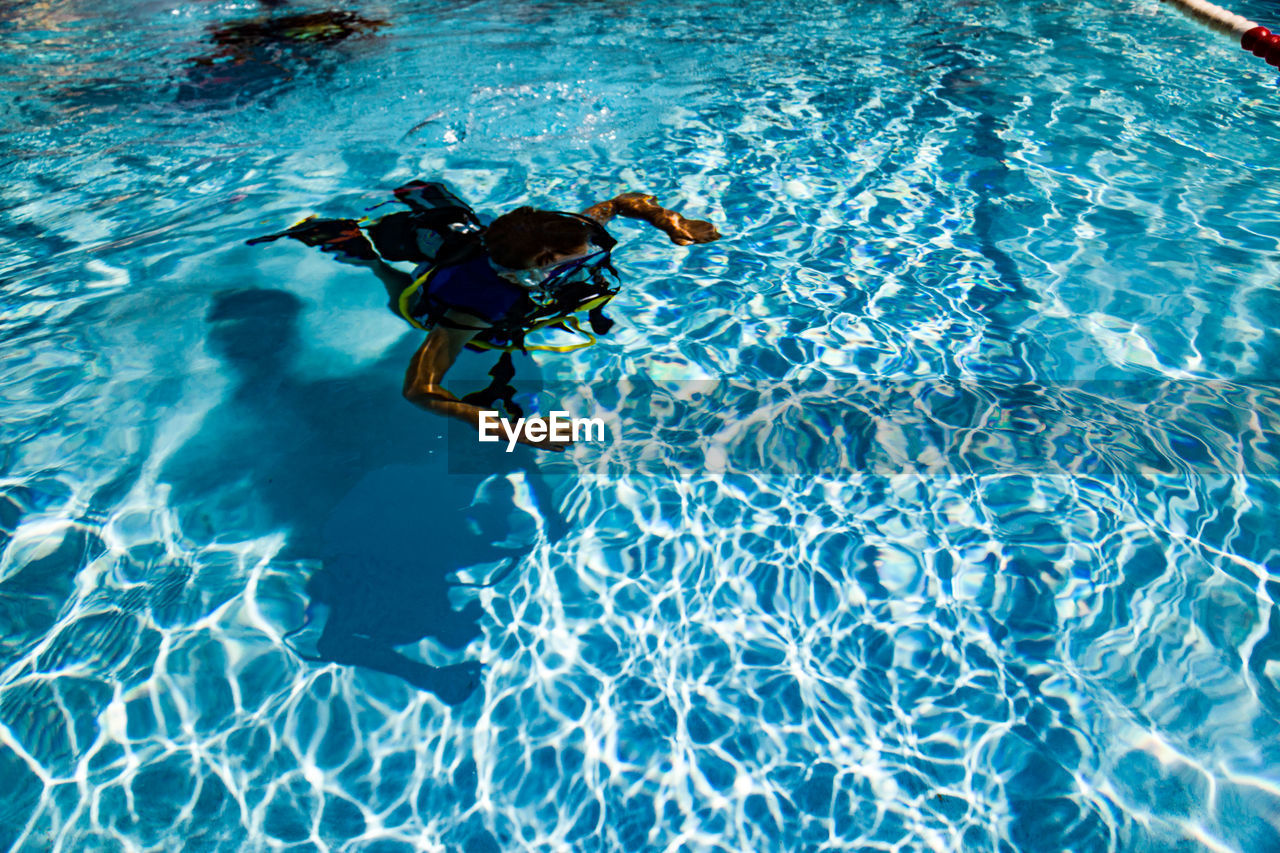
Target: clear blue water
x=939 y=506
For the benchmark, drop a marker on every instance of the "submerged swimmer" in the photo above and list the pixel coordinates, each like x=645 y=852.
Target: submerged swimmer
x=529 y=269
x=251 y=57
x=526 y=250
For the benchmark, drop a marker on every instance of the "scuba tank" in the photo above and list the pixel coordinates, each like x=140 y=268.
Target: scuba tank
x=440 y=230
x=437 y=225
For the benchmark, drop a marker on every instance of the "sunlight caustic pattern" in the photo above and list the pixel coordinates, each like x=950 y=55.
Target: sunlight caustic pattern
x=937 y=511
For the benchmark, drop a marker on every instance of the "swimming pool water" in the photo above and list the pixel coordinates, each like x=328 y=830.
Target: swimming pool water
x=938 y=510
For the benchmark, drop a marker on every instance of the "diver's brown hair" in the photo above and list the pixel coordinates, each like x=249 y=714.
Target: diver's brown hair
x=515 y=239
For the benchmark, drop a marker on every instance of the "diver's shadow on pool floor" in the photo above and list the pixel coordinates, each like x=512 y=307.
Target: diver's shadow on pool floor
x=357 y=478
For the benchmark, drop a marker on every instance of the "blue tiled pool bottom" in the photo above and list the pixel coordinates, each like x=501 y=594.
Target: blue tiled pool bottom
x=937 y=510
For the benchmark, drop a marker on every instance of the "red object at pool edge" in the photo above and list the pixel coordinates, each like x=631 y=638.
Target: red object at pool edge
x=1250 y=39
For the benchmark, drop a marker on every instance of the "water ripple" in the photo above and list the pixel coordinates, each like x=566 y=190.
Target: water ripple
x=937 y=510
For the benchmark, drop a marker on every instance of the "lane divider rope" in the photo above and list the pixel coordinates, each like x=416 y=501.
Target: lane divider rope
x=1259 y=41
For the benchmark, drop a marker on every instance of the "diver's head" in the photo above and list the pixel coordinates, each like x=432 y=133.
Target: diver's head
x=527 y=238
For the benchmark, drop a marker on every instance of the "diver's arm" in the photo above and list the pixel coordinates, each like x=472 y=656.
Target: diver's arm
x=434 y=358
x=602 y=212
x=430 y=363
x=641 y=206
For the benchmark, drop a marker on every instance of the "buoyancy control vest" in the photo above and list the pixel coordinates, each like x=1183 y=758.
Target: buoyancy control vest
x=445 y=237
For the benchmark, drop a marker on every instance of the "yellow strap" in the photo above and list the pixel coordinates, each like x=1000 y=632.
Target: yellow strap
x=556 y=318
x=408 y=292
x=568 y=320
x=593 y=303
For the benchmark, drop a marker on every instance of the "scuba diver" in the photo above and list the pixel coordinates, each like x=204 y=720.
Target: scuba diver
x=488 y=288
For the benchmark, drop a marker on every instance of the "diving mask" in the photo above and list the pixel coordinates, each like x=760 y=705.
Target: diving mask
x=542 y=281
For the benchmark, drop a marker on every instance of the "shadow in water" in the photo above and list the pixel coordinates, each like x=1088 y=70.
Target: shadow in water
x=356 y=477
